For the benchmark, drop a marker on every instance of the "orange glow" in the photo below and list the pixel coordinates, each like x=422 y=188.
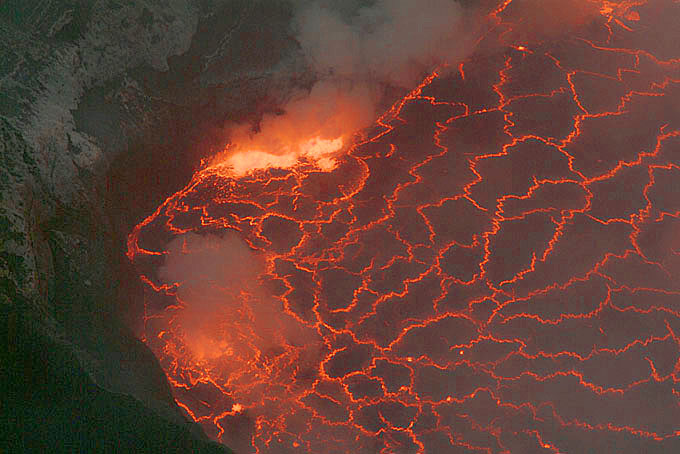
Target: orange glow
x=313 y=130
x=621 y=9
x=606 y=9
x=317 y=151
x=633 y=16
x=206 y=347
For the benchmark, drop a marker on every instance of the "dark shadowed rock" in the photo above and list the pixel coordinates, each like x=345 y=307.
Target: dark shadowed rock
x=105 y=109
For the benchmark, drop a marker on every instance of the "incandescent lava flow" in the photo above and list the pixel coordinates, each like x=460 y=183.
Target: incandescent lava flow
x=494 y=267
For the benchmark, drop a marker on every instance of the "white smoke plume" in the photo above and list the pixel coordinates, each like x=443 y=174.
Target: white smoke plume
x=225 y=307
x=355 y=52
x=390 y=41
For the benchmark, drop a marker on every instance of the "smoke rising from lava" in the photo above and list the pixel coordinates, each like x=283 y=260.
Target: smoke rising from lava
x=219 y=281
x=355 y=56
x=540 y=19
x=392 y=41
x=357 y=51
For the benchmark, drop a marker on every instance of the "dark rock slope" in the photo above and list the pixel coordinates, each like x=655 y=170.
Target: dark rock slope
x=106 y=107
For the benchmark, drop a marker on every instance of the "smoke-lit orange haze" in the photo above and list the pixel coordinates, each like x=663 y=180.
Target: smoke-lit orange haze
x=389 y=43
x=314 y=127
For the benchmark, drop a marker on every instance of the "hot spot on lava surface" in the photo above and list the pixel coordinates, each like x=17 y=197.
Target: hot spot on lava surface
x=494 y=267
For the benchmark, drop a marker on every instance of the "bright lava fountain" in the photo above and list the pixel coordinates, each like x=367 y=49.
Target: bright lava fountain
x=494 y=267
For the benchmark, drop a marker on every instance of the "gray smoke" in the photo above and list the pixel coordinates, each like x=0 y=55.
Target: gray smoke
x=355 y=51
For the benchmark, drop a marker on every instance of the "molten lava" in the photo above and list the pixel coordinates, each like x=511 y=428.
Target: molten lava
x=494 y=267
x=317 y=151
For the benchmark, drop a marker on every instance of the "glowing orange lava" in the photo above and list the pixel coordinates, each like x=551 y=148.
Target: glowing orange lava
x=317 y=151
x=493 y=268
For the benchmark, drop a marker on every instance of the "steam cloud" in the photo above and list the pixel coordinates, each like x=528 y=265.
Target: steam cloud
x=219 y=281
x=536 y=20
x=357 y=51
x=392 y=41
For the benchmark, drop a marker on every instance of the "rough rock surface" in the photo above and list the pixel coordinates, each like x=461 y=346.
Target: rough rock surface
x=106 y=107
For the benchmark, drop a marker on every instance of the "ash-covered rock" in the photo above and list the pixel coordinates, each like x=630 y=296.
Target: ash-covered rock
x=106 y=107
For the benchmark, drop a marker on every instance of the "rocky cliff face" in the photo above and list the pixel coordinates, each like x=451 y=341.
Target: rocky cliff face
x=105 y=108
